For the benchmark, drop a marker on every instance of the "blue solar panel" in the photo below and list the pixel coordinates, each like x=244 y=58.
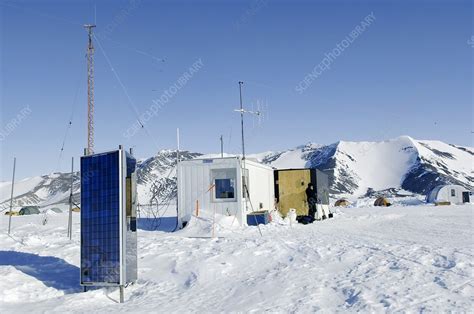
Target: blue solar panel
x=100 y=212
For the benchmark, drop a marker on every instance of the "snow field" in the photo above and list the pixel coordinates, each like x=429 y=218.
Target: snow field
x=409 y=259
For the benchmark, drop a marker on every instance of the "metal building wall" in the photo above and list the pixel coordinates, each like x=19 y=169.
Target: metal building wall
x=261 y=187
x=194 y=181
x=322 y=187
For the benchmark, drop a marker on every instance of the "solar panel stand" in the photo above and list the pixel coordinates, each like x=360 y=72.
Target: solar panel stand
x=121 y=294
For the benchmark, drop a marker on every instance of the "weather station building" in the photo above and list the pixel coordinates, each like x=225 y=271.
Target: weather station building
x=217 y=184
x=108 y=219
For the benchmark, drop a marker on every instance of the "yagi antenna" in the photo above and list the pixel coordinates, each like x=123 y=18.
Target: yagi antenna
x=263 y=109
x=260 y=114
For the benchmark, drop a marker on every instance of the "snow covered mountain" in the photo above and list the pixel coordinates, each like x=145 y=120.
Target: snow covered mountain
x=156 y=182
x=157 y=176
x=41 y=190
x=354 y=168
x=360 y=168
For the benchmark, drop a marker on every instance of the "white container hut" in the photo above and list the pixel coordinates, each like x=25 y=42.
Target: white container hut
x=217 y=184
x=455 y=194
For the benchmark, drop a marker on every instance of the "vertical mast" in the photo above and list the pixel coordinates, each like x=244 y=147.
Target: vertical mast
x=11 y=197
x=222 y=147
x=242 y=120
x=90 y=90
x=177 y=178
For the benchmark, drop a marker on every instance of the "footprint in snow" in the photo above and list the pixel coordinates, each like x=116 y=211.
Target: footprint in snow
x=191 y=280
x=440 y=282
x=443 y=262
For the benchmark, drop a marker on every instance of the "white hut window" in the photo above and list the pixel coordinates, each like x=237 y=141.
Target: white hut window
x=224 y=184
x=453 y=192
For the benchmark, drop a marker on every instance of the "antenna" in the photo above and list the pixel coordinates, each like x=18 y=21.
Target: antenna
x=243 y=168
x=262 y=109
x=90 y=90
x=11 y=197
x=242 y=111
x=177 y=178
x=222 y=147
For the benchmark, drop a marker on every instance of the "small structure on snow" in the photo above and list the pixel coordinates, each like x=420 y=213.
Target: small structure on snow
x=217 y=185
x=259 y=218
x=29 y=210
x=454 y=194
x=12 y=213
x=290 y=190
x=342 y=203
x=382 y=201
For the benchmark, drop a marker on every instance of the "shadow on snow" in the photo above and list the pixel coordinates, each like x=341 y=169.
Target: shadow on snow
x=52 y=271
x=165 y=224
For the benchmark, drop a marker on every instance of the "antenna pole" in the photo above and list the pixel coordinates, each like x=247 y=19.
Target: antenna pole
x=90 y=90
x=222 y=147
x=242 y=119
x=69 y=224
x=11 y=196
x=177 y=142
x=177 y=177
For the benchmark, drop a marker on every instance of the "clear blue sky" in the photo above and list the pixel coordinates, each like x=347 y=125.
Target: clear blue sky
x=409 y=73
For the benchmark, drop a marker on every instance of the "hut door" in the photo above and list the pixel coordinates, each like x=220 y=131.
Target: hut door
x=465 y=197
x=292 y=186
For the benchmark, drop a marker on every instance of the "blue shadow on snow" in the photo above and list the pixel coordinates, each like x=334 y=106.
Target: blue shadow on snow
x=52 y=271
x=165 y=224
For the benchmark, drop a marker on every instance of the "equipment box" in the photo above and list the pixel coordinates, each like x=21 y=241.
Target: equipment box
x=257 y=218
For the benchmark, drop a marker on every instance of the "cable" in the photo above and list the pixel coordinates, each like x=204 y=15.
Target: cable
x=130 y=101
x=166 y=201
x=143 y=53
x=71 y=118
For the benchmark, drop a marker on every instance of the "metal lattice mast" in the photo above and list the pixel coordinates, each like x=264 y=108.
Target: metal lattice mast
x=90 y=91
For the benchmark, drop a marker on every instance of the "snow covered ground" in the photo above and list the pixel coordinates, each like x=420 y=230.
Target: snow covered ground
x=401 y=258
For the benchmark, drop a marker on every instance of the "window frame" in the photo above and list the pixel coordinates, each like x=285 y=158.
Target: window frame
x=223 y=174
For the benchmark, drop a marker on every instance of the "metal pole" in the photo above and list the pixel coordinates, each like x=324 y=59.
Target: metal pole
x=69 y=225
x=11 y=196
x=121 y=294
x=177 y=176
x=242 y=120
x=222 y=147
x=177 y=140
x=244 y=185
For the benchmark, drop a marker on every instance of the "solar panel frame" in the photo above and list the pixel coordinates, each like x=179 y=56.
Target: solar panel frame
x=104 y=228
